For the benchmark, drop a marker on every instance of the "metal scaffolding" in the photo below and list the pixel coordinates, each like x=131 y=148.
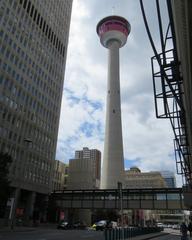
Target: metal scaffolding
x=168 y=88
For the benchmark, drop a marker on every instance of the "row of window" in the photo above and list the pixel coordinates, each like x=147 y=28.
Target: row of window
x=32 y=70
x=38 y=19
x=41 y=140
x=39 y=147
x=23 y=101
x=41 y=53
x=33 y=163
x=36 y=178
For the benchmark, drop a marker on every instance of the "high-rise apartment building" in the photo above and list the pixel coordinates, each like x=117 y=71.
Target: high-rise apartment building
x=85 y=169
x=33 y=48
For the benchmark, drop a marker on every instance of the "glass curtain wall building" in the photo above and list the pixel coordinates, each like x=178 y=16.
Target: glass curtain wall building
x=33 y=48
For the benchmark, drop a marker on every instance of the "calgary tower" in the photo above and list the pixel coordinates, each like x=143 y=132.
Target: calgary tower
x=113 y=32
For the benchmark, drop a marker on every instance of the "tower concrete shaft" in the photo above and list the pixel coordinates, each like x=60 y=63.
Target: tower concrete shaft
x=113 y=160
x=113 y=32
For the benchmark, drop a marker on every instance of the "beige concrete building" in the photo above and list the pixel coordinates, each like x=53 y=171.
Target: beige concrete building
x=60 y=175
x=134 y=178
x=84 y=173
x=85 y=169
x=33 y=48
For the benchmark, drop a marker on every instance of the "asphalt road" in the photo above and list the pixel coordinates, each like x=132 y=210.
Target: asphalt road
x=53 y=234
x=168 y=237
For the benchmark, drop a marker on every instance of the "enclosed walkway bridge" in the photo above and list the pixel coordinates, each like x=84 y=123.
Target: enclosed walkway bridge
x=159 y=198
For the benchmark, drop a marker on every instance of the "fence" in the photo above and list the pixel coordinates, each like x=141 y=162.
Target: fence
x=127 y=233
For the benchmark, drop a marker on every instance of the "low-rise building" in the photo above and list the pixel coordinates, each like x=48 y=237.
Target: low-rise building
x=134 y=178
x=169 y=178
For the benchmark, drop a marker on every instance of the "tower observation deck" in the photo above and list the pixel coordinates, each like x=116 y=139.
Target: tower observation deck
x=113 y=32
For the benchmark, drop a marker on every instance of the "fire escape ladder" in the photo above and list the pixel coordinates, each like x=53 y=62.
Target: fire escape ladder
x=168 y=89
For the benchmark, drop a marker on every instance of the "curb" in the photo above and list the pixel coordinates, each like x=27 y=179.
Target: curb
x=154 y=236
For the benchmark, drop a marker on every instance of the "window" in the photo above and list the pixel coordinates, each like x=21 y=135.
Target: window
x=25 y=4
x=32 y=9
x=1 y=33
x=28 y=8
x=35 y=14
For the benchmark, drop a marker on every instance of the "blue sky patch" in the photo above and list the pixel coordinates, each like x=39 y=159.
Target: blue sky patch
x=87 y=128
x=132 y=163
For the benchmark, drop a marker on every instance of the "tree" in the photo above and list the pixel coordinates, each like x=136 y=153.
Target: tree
x=5 y=161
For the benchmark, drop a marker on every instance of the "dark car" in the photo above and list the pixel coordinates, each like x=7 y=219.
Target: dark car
x=64 y=225
x=79 y=225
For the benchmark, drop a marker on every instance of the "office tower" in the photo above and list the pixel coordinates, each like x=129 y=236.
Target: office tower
x=169 y=178
x=113 y=32
x=33 y=48
x=84 y=169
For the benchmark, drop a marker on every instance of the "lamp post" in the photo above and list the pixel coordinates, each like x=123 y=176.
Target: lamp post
x=119 y=184
x=121 y=201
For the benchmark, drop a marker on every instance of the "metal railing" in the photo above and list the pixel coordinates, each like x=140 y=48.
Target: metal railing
x=129 y=232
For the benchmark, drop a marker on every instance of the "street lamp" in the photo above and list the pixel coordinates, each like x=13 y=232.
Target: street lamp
x=119 y=184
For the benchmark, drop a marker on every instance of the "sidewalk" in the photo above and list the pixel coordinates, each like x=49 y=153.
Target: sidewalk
x=28 y=229
x=17 y=229
x=150 y=236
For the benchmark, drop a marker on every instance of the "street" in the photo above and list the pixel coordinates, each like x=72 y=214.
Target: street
x=52 y=234
x=169 y=237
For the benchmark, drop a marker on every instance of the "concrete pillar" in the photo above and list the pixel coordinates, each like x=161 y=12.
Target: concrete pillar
x=30 y=206
x=16 y=196
x=113 y=160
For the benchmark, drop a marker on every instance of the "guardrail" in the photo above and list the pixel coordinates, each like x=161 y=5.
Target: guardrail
x=127 y=233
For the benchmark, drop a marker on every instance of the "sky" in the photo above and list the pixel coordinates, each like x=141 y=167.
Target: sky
x=147 y=141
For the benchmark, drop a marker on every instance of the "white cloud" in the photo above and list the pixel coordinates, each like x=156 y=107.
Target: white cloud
x=147 y=140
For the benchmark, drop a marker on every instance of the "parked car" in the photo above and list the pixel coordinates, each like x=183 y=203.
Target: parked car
x=64 y=225
x=176 y=226
x=113 y=224
x=101 y=225
x=79 y=225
